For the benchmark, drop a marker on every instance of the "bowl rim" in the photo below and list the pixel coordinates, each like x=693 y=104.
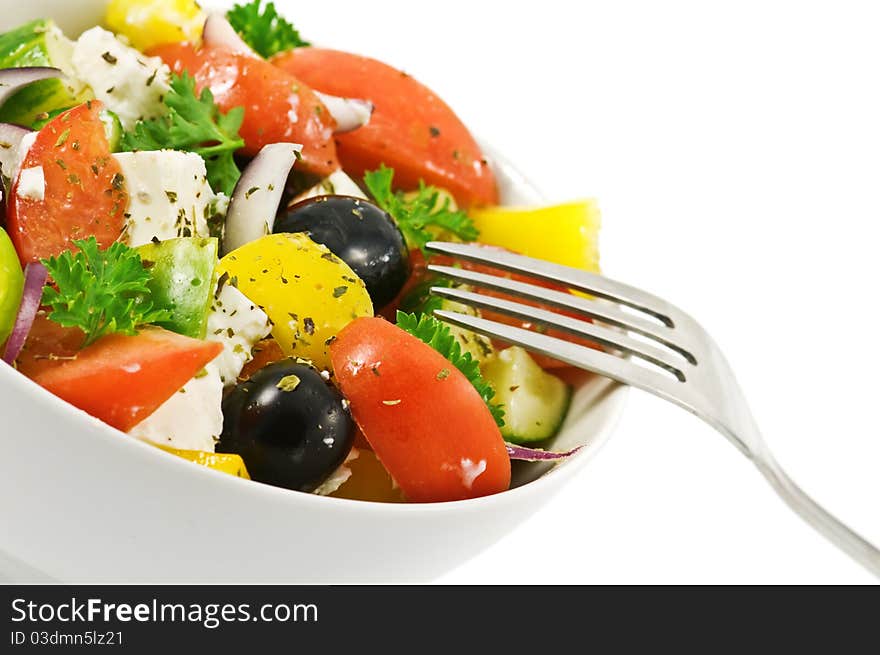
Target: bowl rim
x=79 y=421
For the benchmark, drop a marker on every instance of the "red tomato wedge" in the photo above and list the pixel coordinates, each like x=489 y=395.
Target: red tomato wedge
x=411 y=130
x=277 y=106
x=424 y=420
x=123 y=379
x=83 y=194
x=48 y=346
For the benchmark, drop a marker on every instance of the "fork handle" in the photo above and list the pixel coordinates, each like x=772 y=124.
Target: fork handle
x=831 y=528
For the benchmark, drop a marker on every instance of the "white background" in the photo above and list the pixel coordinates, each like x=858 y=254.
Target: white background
x=735 y=152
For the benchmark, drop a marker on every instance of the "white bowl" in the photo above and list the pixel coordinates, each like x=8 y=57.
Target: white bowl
x=83 y=503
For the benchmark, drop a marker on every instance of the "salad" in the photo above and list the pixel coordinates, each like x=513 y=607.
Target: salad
x=213 y=239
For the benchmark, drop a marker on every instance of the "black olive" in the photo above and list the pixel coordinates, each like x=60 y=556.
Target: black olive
x=289 y=425
x=358 y=232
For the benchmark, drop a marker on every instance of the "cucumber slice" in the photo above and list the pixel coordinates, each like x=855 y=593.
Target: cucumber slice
x=112 y=128
x=182 y=281
x=420 y=301
x=535 y=402
x=40 y=43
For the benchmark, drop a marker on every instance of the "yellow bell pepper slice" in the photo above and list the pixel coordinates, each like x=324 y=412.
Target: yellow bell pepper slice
x=369 y=481
x=565 y=234
x=148 y=23
x=308 y=293
x=223 y=462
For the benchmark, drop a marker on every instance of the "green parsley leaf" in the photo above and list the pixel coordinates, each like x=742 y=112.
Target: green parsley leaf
x=437 y=335
x=194 y=123
x=419 y=217
x=264 y=31
x=100 y=291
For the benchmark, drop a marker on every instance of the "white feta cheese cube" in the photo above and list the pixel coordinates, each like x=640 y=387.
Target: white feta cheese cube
x=238 y=324
x=32 y=183
x=192 y=419
x=126 y=81
x=169 y=195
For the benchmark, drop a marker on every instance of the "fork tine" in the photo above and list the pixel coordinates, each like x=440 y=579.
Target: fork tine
x=596 y=285
x=592 y=332
x=605 y=312
x=597 y=361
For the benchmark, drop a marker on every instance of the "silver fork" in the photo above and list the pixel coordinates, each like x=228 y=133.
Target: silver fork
x=649 y=344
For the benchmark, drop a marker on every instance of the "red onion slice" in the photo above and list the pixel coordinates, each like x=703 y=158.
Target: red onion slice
x=218 y=32
x=256 y=197
x=536 y=454
x=349 y=113
x=35 y=276
x=10 y=141
x=12 y=79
